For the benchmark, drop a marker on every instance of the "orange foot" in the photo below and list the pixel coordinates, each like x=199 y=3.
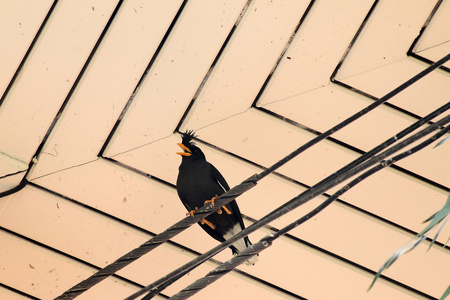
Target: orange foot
x=219 y=211
x=191 y=213
x=203 y=221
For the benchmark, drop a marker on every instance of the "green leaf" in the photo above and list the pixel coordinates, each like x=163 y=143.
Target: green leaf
x=446 y=293
x=437 y=217
x=403 y=249
x=435 y=220
x=437 y=233
x=441 y=142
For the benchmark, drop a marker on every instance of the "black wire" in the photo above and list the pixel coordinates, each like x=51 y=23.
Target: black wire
x=383 y=164
x=268 y=240
x=350 y=166
x=357 y=115
x=219 y=202
x=222 y=200
x=309 y=194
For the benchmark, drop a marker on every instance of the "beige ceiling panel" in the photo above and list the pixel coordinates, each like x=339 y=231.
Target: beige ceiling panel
x=85 y=241
x=111 y=288
x=434 y=42
x=7 y=294
x=432 y=163
x=319 y=276
x=386 y=37
x=326 y=107
x=11 y=181
x=421 y=98
x=398 y=198
x=234 y=284
x=346 y=235
x=107 y=85
x=243 y=67
x=81 y=210
x=97 y=239
x=176 y=74
x=60 y=228
x=10 y=165
x=49 y=73
x=390 y=247
x=435 y=33
x=11 y=171
x=317 y=112
x=40 y=272
x=129 y=196
x=437 y=52
x=158 y=158
x=265 y=140
x=308 y=62
x=19 y=21
x=372 y=243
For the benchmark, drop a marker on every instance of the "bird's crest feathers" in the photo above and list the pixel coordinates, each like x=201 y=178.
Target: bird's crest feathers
x=187 y=137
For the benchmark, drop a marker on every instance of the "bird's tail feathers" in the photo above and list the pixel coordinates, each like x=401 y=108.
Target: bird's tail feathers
x=241 y=245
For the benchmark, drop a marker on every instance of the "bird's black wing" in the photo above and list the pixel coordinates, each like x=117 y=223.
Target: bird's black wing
x=218 y=176
x=188 y=208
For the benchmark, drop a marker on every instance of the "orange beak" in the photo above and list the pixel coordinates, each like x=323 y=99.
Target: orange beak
x=186 y=149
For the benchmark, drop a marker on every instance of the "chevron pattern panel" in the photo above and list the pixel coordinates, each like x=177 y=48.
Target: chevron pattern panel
x=94 y=96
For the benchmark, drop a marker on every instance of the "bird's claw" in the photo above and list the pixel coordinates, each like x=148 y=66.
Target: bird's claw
x=191 y=213
x=219 y=211
x=211 y=201
x=203 y=221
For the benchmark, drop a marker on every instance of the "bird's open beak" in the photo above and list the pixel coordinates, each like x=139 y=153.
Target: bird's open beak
x=187 y=151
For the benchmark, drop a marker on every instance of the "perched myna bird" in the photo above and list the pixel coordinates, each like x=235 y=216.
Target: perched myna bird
x=200 y=182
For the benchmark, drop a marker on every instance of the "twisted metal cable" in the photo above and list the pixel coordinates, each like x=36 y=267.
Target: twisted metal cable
x=219 y=202
x=348 y=167
x=304 y=197
x=158 y=240
x=221 y=270
x=267 y=241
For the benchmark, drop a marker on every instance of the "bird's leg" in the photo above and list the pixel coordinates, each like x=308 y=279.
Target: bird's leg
x=226 y=210
x=219 y=211
x=203 y=221
x=191 y=213
x=211 y=201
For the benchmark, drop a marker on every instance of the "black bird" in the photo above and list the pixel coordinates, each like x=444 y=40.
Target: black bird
x=200 y=182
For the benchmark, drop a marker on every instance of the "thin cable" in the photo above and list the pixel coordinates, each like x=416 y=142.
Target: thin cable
x=268 y=240
x=350 y=166
x=219 y=202
x=357 y=115
x=304 y=197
